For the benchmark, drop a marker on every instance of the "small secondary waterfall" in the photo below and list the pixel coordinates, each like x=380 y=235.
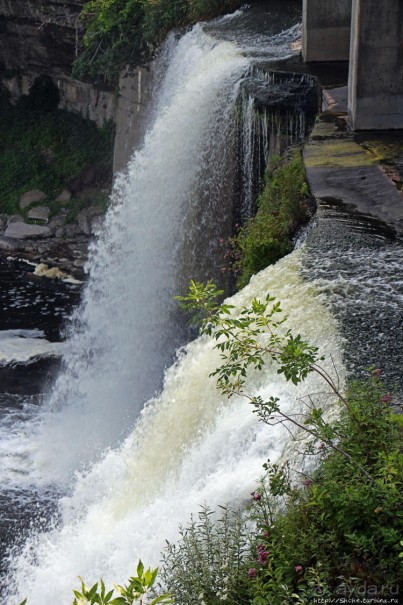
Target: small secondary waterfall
x=277 y=109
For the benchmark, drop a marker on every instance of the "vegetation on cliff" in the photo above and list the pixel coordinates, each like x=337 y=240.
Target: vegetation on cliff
x=118 y=32
x=283 y=206
x=45 y=148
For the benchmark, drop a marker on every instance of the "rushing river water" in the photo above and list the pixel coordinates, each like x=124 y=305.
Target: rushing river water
x=93 y=478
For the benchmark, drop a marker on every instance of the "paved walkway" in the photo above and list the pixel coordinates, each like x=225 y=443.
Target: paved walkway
x=339 y=169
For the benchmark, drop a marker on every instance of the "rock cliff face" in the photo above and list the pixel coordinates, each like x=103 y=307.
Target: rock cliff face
x=40 y=37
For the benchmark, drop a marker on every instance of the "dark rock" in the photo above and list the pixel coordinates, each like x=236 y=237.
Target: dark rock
x=39 y=213
x=86 y=218
x=35 y=195
x=8 y=244
x=65 y=196
x=283 y=91
x=88 y=176
x=71 y=230
x=76 y=185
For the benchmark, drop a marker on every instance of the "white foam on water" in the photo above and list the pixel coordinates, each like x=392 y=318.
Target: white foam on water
x=191 y=445
x=18 y=346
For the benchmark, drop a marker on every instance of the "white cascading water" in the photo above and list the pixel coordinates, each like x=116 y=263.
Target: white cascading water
x=128 y=312
x=189 y=444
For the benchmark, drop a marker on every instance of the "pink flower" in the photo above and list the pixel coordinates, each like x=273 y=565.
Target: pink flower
x=256 y=496
x=387 y=398
x=252 y=573
x=298 y=568
x=307 y=482
x=376 y=372
x=262 y=553
x=263 y=557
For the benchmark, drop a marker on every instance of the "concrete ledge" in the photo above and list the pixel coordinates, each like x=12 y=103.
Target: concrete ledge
x=338 y=168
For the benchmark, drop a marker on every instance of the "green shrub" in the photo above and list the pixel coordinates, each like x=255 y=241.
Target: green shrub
x=207 y=564
x=282 y=208
x=118 y=32
x=338 y=524
x=139 y=590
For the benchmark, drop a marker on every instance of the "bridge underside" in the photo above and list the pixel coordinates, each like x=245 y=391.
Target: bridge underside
x=368 y=33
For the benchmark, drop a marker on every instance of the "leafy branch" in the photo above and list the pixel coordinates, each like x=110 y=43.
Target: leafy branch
x=252 y=339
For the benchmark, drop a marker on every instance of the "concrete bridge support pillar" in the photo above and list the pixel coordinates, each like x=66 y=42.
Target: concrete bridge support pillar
x=326 y=30
x=376 y=65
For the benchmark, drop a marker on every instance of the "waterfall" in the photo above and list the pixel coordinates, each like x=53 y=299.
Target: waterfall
x=168 y=213
x=134 y=471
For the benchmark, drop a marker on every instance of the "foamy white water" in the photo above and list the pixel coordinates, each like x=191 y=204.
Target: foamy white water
x=23 y=345
x=190 y=446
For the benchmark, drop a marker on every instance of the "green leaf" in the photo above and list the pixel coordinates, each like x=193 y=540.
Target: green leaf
x=165 y=599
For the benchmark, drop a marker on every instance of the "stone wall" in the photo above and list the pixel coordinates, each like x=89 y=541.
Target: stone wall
x=39 y=36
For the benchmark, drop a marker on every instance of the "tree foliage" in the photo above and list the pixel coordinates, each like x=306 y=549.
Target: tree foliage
x=119 y=32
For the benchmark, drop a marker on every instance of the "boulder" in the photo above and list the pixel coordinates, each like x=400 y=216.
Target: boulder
x=86 y=218
x=57 y=221
x=65 y=196
x=9 y=244
x=16 y=228
x=71 y=230
x=40 y=213
x=96 y=223
x=35 y=195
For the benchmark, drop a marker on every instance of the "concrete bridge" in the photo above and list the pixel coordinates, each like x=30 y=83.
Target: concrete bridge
x=369 y=34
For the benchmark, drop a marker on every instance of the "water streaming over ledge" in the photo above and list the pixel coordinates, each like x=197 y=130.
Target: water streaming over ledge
x=130 y=488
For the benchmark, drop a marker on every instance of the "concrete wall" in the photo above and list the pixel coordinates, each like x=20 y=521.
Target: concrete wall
x=376 y=65
x=326 y=30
